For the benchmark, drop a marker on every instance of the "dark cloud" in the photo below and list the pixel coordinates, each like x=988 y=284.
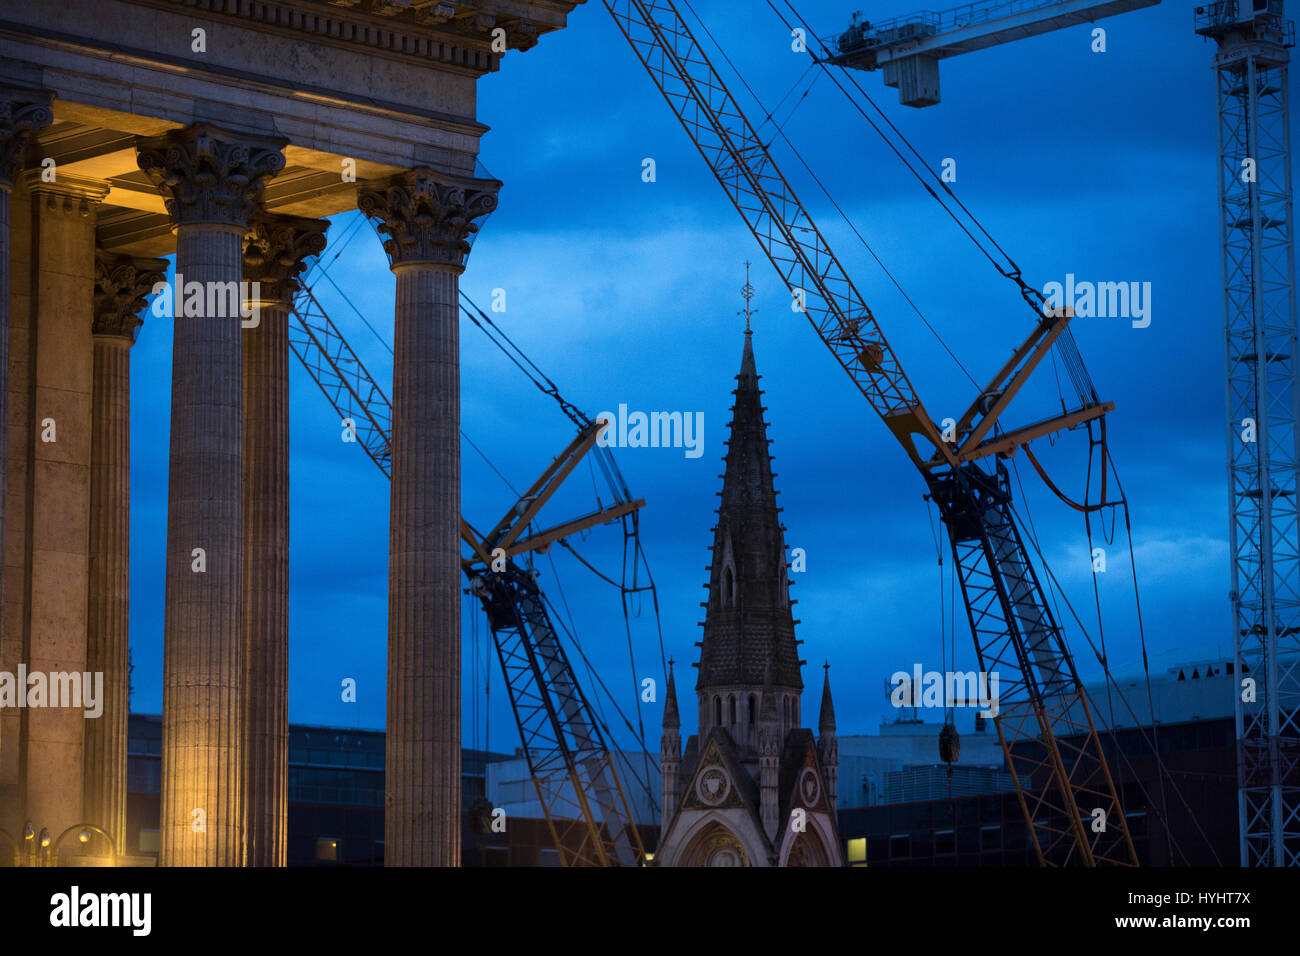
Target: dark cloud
x=1101 y=165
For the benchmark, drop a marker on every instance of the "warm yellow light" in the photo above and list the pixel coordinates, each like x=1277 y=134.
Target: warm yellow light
x=858 y=850
x=45 y=838
x=84 y=836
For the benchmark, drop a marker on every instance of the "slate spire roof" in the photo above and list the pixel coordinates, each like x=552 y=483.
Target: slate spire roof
x=747 y=619
x=826 y=720
x=672 y=720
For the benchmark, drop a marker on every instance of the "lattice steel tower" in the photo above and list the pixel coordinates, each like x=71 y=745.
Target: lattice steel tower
x=1255 y=220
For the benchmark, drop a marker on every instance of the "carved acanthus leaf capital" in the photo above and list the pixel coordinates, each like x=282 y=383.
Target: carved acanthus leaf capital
x=276 y=250
x=22 y=112
x=208 y=175
x=121 y=286
x=428 y=217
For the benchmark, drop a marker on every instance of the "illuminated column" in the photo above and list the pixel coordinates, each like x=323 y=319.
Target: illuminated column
x=428 y=218
x=210 y=180
x=275 y=252
x=121 y=285
x=56 y=419
x=22 y=111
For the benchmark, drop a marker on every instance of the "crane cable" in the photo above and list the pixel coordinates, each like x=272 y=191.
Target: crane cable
x=830 y=198
x=1162 y=771
x=1012 y=271
x=543 y=382
x=598 y=711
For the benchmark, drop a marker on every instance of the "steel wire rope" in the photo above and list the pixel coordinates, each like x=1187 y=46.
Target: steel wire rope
x=817 y=179
x=1138 y=725
x=598 y=713
x=606 y=461
x=1065 y=344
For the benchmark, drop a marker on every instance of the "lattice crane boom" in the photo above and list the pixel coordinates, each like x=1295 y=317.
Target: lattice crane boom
x=1044 y=723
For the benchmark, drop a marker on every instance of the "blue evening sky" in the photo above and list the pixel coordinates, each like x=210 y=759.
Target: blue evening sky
x=1097 y=164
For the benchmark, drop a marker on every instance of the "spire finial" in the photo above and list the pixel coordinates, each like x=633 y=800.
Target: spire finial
x=748 y=293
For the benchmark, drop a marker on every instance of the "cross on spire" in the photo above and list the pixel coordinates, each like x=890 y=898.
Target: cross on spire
x=748 y=293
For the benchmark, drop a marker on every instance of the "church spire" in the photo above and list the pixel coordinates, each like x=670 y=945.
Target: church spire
x=672 y=720
x=826 y=721
x=747 y=620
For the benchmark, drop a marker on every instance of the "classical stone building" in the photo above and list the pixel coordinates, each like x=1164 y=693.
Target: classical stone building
x=753 y=788
x=220 y=132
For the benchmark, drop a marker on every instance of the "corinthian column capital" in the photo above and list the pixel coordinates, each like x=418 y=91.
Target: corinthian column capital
x=121 y=286
x=22 y=112
x=429 y=217
x=276 y=250
x=207 y=175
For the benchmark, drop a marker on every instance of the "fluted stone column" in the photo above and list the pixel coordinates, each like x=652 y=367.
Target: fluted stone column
x=56 y=505
x=22 y=111
x=275 y=252
x=121 y=287
x=427 y=217
x=210 y=180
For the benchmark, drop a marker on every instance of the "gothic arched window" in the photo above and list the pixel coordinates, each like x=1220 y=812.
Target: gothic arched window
x=732 y=699
x=717 y=710
x=728 y=587
x=751 y=708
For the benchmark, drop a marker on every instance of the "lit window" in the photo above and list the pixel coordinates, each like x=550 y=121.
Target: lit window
x=858 y=851
x=327 y=849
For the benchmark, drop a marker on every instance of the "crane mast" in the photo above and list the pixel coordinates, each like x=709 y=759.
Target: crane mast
x=1256 y=227
x=1044 y=723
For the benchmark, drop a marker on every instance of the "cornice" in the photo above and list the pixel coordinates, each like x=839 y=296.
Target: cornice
x=453 y=35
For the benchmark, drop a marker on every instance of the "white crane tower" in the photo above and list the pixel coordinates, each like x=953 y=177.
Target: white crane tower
x=1259 y=318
